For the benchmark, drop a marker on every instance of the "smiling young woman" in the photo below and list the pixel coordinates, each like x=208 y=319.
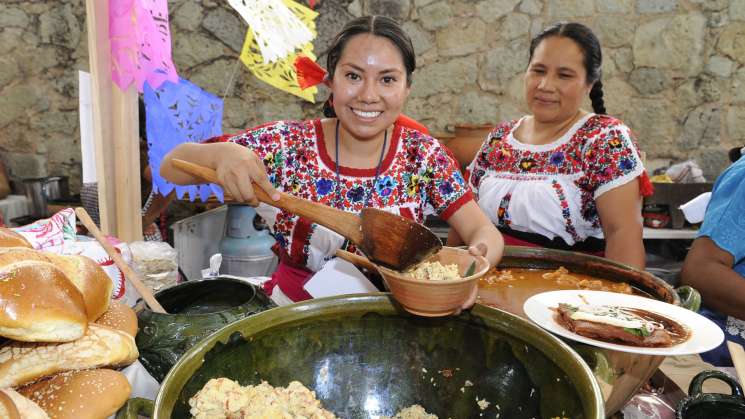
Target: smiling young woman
x=361 y=155
x=563 y=177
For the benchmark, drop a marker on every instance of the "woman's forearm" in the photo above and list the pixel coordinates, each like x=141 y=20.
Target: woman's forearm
x=471 y=226
x=207 y=155
x=488 y=236
x=709 y=269
x=721 y=288
x=626 y=246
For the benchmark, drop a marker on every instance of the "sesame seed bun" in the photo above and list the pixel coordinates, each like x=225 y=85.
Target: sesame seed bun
x=89 y=394
x=119 y=316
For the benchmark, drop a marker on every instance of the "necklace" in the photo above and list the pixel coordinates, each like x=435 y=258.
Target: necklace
x=369 y=193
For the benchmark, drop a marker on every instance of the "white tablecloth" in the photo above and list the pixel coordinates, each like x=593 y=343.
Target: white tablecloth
x=13 y=206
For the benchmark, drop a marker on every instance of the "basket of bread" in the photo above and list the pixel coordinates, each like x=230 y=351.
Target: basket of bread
x=61 y=336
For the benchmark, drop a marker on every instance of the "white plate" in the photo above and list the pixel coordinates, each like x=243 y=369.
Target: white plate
x=705 y=335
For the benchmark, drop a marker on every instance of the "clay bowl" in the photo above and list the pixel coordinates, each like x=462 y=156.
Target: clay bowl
x=434 y=298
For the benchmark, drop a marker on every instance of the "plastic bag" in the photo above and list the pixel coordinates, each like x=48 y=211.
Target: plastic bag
x=686 y=172
x=156 y=262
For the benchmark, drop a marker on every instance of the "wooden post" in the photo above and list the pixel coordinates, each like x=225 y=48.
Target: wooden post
x=116 y=134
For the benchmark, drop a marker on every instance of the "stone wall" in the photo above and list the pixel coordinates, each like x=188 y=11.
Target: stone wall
x=673 y=70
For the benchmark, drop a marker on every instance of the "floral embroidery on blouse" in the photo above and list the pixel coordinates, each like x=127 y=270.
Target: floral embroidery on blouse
x=417 y=177
x=503 y=213
x=569 y=227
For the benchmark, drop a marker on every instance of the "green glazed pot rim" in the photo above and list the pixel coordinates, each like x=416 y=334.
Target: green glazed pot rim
x=556 y=350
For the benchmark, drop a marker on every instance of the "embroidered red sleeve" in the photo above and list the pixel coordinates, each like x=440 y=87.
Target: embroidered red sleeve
x=445 y=185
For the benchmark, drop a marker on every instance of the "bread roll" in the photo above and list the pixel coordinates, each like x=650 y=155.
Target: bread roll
x=39 y=304
x=120 y=317
x=88 y=277
x=9 y=238
x=8 y=409
x=18 y=406
x=102 y=346
x=91 y=394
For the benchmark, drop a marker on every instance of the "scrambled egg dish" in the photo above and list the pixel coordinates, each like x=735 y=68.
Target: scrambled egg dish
x=222 y=398
x=412 y=412
x=436 y=271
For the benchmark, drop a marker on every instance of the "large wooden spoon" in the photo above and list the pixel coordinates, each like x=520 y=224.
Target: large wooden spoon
x=387 y=239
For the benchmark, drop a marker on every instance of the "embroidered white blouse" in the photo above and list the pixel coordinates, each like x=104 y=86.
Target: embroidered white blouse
x=550 y=189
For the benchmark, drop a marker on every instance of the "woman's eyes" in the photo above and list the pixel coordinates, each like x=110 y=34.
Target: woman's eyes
x=542 y=71
x=384 y=79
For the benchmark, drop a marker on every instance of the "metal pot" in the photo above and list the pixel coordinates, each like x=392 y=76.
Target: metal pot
x=56 y=187
x=364 y=356
x=40 y=191
x=619 y=374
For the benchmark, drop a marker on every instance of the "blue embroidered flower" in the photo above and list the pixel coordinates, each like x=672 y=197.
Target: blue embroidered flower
x=445 y=188
x=281 y=240
x=324 y=186
x=557 y=158
x=356 y=194
x=626 y=165
x=385 y=186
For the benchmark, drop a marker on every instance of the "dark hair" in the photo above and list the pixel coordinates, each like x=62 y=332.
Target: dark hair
x=376 y=25
x=141 y=113
x=593 y=56
x=736 y=153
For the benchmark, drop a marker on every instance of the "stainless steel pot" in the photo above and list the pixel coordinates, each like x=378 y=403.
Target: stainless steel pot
x=40 y=191
x=56 y=187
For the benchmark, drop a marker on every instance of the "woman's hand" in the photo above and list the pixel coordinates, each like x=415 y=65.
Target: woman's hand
x=471 y=226
x=238 y=170
x=477 y=250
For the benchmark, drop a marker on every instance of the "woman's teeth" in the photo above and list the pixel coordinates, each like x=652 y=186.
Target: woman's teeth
x=366 y=114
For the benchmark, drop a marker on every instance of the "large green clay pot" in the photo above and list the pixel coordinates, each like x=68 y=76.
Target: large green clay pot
x=619 y=374
x=195 y=309
x=365 y=356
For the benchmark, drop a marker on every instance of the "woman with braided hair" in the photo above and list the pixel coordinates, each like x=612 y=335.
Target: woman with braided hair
x=563 y=177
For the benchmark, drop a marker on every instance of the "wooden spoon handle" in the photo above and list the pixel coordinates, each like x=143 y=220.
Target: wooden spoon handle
x=130 y=274
x=357 y=260
x=345 y=223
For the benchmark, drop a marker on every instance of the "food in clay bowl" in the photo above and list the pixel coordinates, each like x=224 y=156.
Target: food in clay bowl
x=440 y=285
x=524 y=272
